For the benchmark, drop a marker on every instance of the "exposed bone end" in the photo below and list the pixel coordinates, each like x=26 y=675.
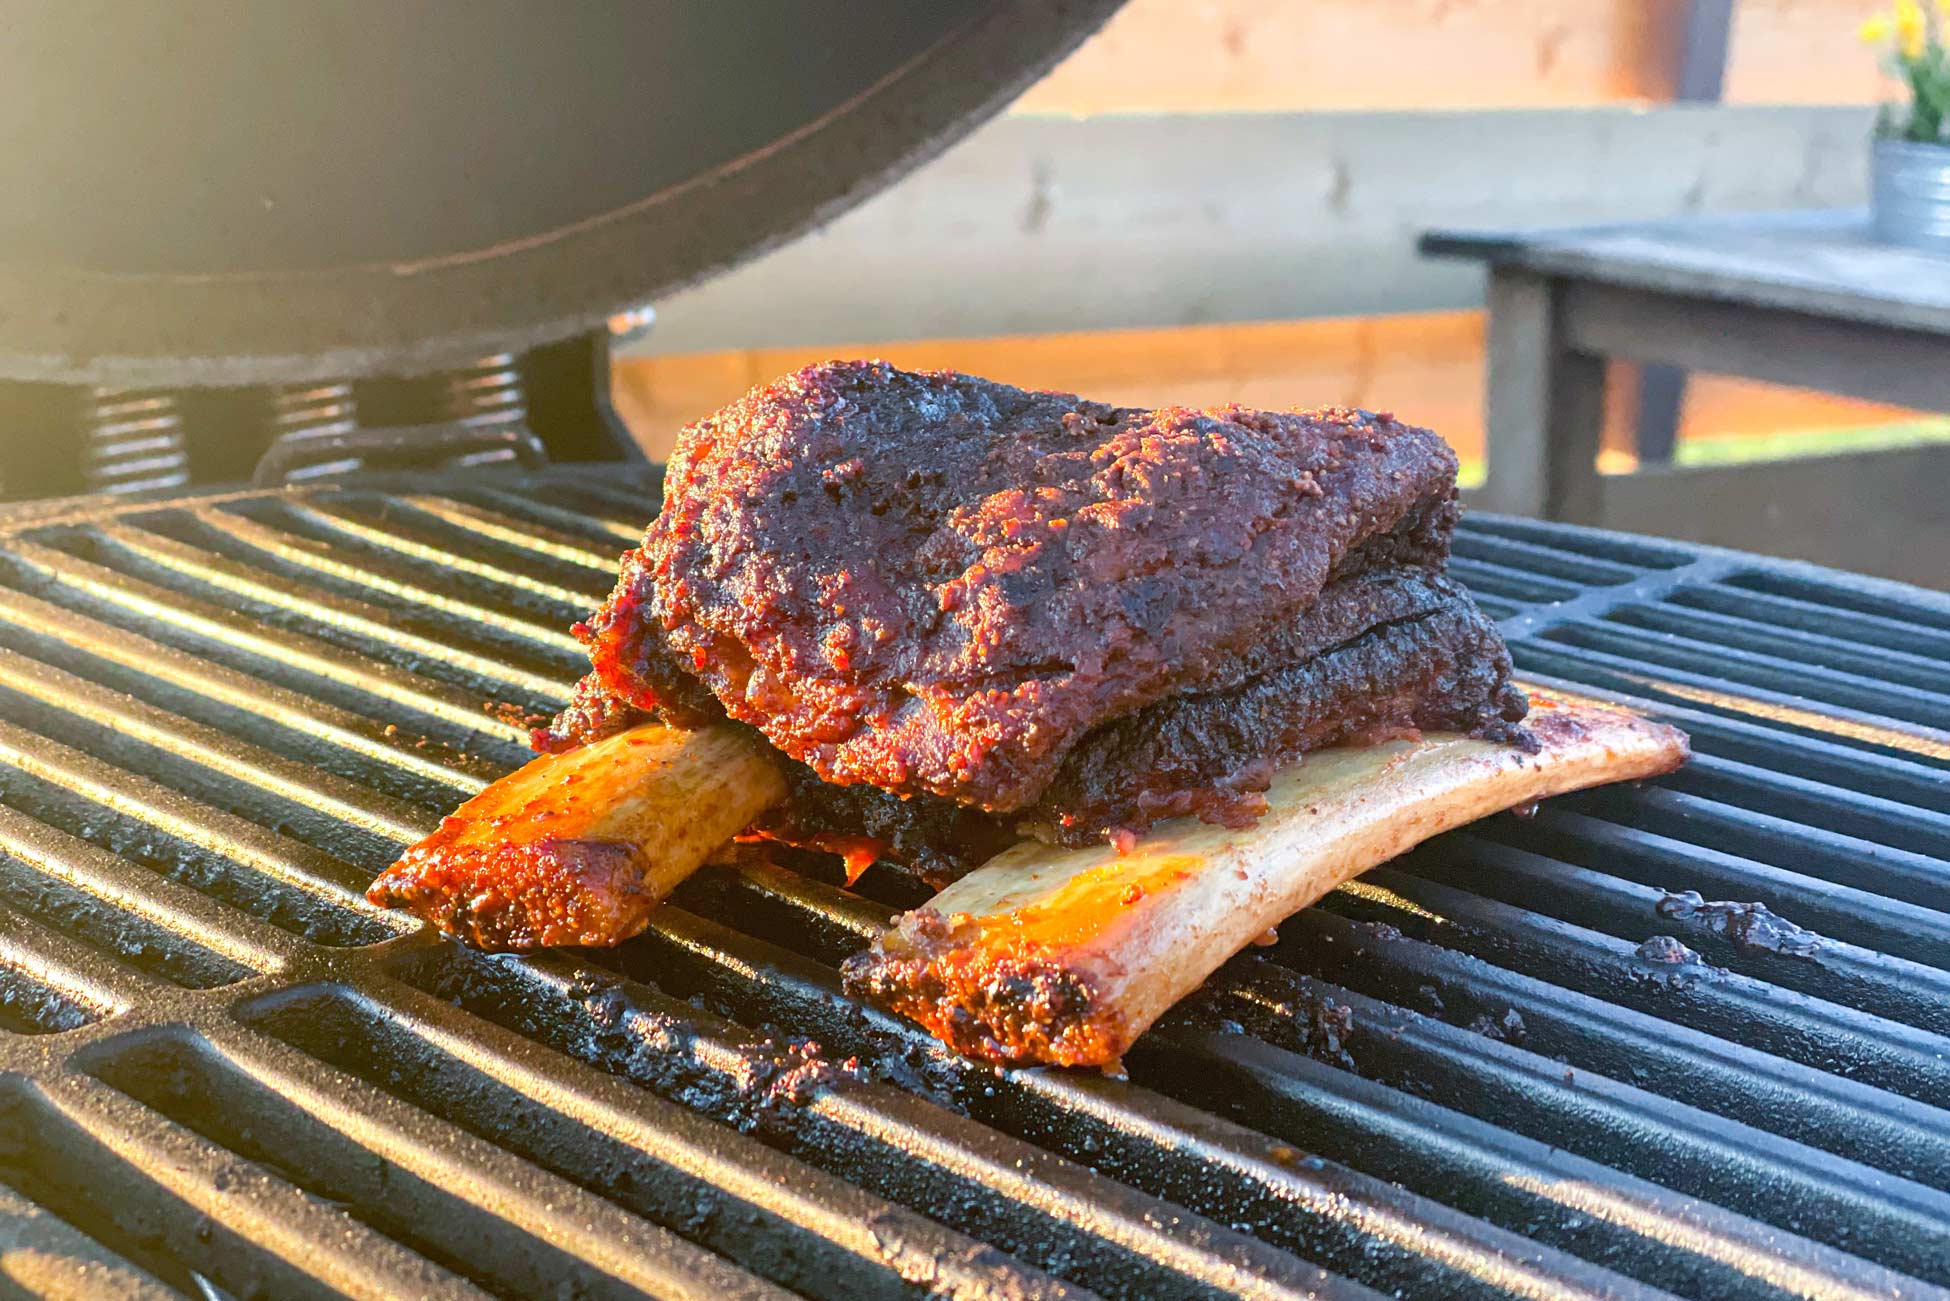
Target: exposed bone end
x=1065 y=957
x=523 y=896
x=578 y=847
x=996 y=1006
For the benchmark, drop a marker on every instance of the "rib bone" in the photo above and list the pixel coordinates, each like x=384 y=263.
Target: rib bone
x=1066 y=956
x=577 y=848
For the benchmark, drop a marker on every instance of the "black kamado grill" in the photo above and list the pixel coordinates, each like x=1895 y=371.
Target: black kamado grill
x=1691 y=1037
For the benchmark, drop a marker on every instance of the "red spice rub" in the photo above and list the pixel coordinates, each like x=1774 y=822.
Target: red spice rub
x=522 y=895
x=1002 y=1007
x=938 y=585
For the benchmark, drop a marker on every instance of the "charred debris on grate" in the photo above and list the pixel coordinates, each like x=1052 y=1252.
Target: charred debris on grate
x=1749 y=927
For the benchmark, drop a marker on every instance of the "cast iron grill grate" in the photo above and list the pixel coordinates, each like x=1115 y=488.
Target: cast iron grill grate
x=1522 y=1060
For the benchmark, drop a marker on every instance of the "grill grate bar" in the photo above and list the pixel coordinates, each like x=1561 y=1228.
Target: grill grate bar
x=28 y=1007
x=405 y=542
x=1042 y=1209
x=1514 y=555
x=1900 y=826
x=831 y=1235
x=1556 y=1196
x=1809 y=619
x=1905 y=606
x=137 y=893
x=223 y=628
x=1743 y=1010
x=1907 y=790
x=1788 y=677
x=522 y=534
x=1169 y=1243
x=1865 y=1124
x=1898 y=1222
x=460 y=1201
x=566 y=521
x=132 y=940
x=623 y=511
x=1839 y=972
x=175 y=1203
x=241 y=694
x=264 y=855
x=1838 y=911
x=1697 y=627
x=1717 y=695
x=65 y=1262
x=1482 y=576
x=1848 y=860
x=301 y=784
x=327 y=609
x=387 y=579
x=49 y=982
x=81 y=973
x=1621 y=548
x=1598 y=601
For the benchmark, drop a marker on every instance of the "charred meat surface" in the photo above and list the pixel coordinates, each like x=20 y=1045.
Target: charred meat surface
x=1401 y=653
x=962 y=608
x=1439 y=666
x=938 y=585
x=925 y=615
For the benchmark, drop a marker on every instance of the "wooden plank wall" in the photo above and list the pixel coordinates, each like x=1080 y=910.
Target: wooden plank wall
x=1178 y=174
x=1284 y=55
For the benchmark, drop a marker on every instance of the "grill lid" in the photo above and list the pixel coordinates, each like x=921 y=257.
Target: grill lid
x=1537 y=1057
x=229 y=192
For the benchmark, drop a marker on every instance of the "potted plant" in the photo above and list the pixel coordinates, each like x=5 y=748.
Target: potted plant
x=1911 y=168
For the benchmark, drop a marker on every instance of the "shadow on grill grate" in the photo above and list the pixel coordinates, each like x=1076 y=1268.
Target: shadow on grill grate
x=1523 y=1060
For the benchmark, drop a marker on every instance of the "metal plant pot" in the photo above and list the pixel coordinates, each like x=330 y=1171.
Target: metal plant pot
x=1911 y=194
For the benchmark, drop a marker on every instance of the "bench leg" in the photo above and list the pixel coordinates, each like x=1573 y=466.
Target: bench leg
x=1546 y=407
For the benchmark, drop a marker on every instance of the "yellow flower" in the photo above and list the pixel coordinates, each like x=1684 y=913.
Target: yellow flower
x=1912 y=28
x=1879 y=29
